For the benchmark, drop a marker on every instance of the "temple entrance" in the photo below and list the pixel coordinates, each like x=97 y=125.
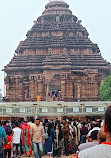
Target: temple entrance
x=57 y=87
x=55 y=92
x=54 y=89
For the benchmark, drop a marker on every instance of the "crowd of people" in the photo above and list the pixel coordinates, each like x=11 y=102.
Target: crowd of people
x=86 y=139
x=55 y=95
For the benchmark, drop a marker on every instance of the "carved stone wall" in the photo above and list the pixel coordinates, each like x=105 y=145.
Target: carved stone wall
x=82 y=85
x=57 y=52
x=25 y=88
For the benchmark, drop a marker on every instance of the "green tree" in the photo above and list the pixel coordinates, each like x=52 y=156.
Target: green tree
x=105 y=89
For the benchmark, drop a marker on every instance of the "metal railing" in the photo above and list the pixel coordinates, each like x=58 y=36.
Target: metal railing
x=20 y=109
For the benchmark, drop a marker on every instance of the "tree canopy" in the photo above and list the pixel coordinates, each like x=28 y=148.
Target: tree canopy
x=105 y=89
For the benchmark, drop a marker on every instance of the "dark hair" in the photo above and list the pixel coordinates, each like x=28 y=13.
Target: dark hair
x=60 y=132
x=107 y=118
x=49 y=125
x=32 y=120
x=91 y=125
x=83 y=123
x=46 y=120
x=3 y=123
x=21 y=119
x=16 y=123
x=94 y=134
x=101 y=140
x=74 y=124
x=37 y=119
x=95 y=124
x=6 y=121
x=9 y=132
x=69 y=123
x=64 y=119
x=13 y=121
x=0 y=122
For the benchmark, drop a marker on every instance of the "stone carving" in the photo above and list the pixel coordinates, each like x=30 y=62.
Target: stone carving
x=53 y=47
x=79 y=21
x=71 y=20
x=57 y=19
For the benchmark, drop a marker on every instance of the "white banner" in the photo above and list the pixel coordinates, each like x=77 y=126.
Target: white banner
x=101 y=109
x=75 y=109
x=88 y=109
x=59 y=109
x=44 y=109
x=22 y=110
x=8 y=110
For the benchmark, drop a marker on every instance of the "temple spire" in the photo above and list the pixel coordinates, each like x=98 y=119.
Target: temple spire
x=56 y=61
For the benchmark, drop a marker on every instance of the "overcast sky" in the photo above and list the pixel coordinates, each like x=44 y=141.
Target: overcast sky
x=17 y=16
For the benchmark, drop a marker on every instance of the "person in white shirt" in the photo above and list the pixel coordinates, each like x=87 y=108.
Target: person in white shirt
x=16 y=140
x=95 y=127
x=103 y=150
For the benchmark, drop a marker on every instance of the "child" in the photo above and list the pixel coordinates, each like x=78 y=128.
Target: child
x=8 y=147
x=16 y=140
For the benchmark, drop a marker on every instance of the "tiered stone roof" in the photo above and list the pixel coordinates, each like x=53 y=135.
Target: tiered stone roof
x=71 y=62
x=57 y=18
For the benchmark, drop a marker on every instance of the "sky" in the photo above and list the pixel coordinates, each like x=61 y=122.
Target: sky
x=17 y=16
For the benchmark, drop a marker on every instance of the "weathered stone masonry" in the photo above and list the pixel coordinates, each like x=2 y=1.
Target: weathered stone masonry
x=56 y=53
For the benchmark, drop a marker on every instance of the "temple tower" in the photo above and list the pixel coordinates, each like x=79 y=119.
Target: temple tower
x=56 y=55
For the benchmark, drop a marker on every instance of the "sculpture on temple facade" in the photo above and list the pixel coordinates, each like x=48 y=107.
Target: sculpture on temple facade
x=57 y=59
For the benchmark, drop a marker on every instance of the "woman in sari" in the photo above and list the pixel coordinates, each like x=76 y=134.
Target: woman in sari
x=26 y=139
x=58 y=141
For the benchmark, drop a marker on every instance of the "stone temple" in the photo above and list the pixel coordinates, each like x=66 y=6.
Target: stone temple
x=57 y=55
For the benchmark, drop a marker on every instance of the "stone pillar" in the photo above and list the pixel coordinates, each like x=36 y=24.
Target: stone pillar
x=11 y=93
x=32 y=87
x=7 y=89
x=36 y=88
x=47 y=91
x=21 y=90
x=78 y=91
x=40 y=88
x=71 y=89
x=14 y=89
x=17 y=88
x=63 y=89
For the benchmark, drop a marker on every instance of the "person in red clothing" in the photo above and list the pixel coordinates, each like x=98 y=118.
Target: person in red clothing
x=26 y=139
x=8 y=147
